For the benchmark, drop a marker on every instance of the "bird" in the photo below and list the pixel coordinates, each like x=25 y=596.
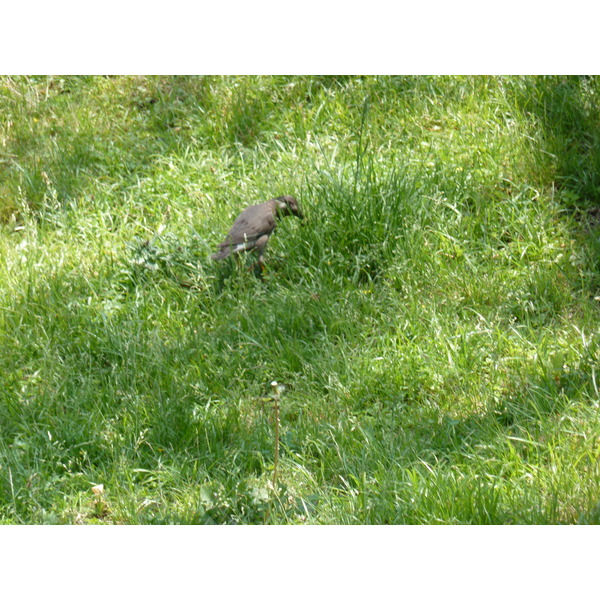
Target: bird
x=252 y=228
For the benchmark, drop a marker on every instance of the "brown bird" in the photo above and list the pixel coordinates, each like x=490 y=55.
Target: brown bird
x=251 y=230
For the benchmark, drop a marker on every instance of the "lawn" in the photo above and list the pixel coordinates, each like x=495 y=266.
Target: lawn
x=433 y=324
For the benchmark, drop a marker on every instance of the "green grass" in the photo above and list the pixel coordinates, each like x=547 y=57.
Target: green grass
x=435 y=321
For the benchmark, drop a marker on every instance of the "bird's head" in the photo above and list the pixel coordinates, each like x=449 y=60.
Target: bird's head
x=288 y=205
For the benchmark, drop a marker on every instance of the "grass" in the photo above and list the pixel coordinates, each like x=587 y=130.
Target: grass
x=435 y=323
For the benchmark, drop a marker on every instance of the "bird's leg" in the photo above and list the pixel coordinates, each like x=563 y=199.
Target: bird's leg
x=260 y=246
x=258 y=267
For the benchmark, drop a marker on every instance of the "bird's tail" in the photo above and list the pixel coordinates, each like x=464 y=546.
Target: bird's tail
x=222 y=253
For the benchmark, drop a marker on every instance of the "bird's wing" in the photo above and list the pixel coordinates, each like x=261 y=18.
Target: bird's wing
x=253 y=223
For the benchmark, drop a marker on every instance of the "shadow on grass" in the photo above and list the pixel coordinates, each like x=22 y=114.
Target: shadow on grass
x=103 y=392
x=567 y=108
x=68 y=132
